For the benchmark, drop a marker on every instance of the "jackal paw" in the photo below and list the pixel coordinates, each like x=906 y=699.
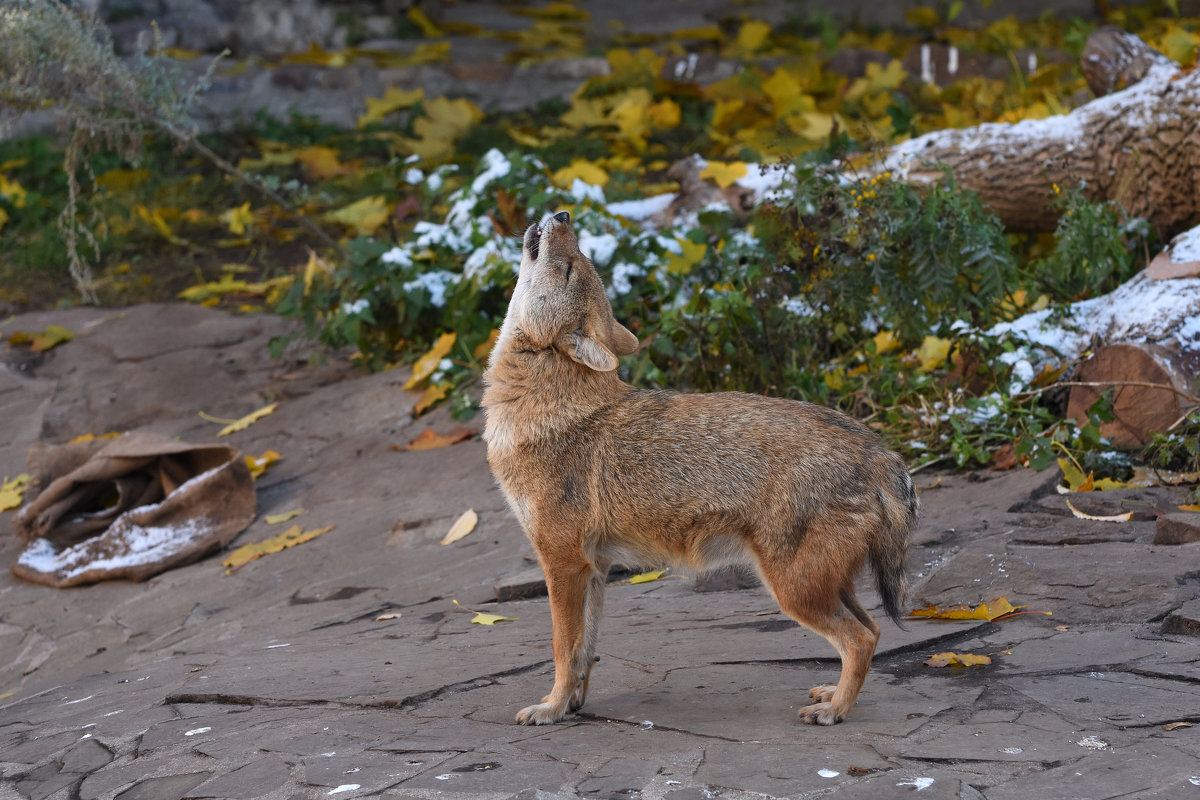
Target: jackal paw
x=821 y=694
x=819 y=714
x=540 y=714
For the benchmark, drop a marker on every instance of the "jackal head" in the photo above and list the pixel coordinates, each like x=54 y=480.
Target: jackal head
x=559 y=301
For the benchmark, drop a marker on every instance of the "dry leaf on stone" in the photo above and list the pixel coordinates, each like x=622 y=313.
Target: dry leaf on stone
x=427 y=364
x=461 y=527
x=1170 y=726
x=482 y=618
x=41 y=341
x=957 y=659
x=91 y=437
x=647 y=577
x=289 y=538
x=429 y=439
x=1126 y=517
x=235 y=425
x=12 y=490
x=286 y=516
x=259 y=464
x=433 y=394
x=985 y=611
x=386 y=617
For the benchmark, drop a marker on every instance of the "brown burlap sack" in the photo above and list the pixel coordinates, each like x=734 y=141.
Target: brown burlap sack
x=130 y=508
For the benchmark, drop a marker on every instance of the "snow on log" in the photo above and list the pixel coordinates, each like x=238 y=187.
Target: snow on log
x=1139 y=146
x=1180 y=258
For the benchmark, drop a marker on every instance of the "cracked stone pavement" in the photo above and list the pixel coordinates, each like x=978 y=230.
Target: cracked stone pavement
x=278 y=681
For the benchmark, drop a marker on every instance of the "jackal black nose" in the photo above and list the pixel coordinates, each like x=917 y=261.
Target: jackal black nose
x=562 y=216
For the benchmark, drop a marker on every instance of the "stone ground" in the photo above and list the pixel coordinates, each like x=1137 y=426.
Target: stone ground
x=278 y=681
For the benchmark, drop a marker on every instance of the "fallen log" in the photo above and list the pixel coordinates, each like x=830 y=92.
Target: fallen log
x=1139 y=146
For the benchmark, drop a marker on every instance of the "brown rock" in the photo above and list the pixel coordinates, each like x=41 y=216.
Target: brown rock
x=1185 y=620
x=482 y=71
x=1179 y=528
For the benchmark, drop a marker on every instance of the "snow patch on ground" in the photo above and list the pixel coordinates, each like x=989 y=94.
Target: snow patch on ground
x=1140 y=310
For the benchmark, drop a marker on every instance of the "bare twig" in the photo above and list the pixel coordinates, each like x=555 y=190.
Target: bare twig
x=1109 y=384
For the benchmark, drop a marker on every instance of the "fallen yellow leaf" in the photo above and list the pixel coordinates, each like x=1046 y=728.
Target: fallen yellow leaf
x=724 y=174
x=885 y=342
x=427 y=26
x=286 y=516
x=236 y=425
x=364 y=216
x=461 y=527
x=52 y=337
x=1126 y=517
x=692 y=254
x=429 y=439
x=289 y=538
x=1190 y=507
x=13 y=191
x=321 y=162
x=259 y=464
x=238 y=218
x=957 y=659
x=665 y=114
x=6 y=695
x=998 y=608
x=481 y=618
x=432 y=395
x=932 y=353
x=647 y=577
x=583 y=169
x=1170 y=726
x=427 y=364
x=392 y=101
x=444 y=123
x=156 y=220
x=226 y=284
x=91 y=437
x=12 y=490
x=484 y=349
x=122 y=180
x=752 y=35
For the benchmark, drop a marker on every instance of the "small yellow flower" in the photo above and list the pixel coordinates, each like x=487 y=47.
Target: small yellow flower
x=1056 y=189
x=870 y=256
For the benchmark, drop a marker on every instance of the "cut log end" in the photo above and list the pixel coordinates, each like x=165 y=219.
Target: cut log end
x=1139 y=411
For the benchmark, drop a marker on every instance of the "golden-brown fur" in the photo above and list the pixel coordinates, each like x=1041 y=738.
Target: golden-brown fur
x=598 y=472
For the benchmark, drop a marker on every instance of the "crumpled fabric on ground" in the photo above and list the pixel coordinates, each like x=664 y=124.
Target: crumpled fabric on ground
x=129 y=508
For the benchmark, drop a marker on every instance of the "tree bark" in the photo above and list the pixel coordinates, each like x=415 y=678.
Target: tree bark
x=1139 y=146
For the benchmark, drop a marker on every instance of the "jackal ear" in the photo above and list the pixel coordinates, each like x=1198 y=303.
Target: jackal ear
x=589 y=352
x=622 y=339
